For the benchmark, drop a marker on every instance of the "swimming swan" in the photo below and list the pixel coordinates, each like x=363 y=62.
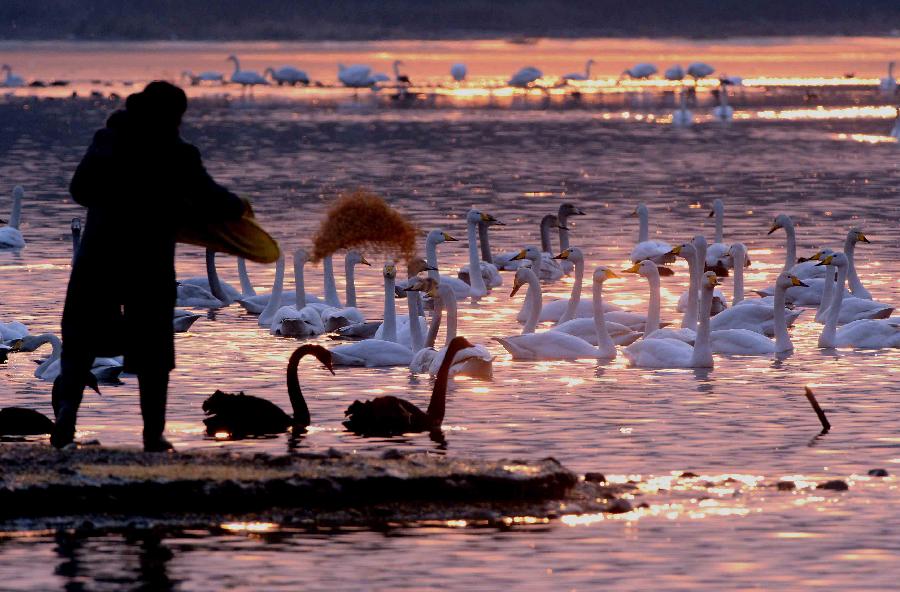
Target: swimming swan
x=10 y=235
x=657 y=251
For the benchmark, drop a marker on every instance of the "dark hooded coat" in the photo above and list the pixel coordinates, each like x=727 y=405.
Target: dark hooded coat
x=140 y=182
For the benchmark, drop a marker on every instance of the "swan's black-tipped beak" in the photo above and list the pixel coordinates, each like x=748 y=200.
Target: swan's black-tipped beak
x=773 y=229
x=3 y=221
x=430 y=268
x=563 y=227
x=515 y=289
x=330 y=369
x=91 y=382
x=711 y=213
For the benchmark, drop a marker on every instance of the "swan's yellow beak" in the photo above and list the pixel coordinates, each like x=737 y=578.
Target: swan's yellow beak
x=826 y=261
x=796 y=282
x=362 y=261
x=516 y=285
x=713 y=280
x=448 y=238
x=432 y=292
x=390 y=270
x=675 y=250
x=816 y=256
x=564 y=255
x=633 y=269
x=519 y=256
x=489 y=218
x=610 y=274
x=633 y=214
x=861 y=238
x=775 y=226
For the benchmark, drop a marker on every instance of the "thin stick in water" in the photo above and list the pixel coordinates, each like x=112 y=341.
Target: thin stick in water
x=826 y=425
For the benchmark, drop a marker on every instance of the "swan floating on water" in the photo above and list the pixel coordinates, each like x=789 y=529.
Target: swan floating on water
x=246 y=78
x=300 y=319
x=10 y=235
x=10 y=80
x=640 y=71
x=888 y=84
x=718 y=257
x=657 y=251
x=723 y=111
x=104 y=369
x=287 y=75
x=578 y=75
x=207 y=76
x=340 y=316
x=240 y=415
x=525 y=77
x=458 y=72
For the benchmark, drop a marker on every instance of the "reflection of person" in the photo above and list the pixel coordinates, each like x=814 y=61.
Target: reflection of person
x=139 y=181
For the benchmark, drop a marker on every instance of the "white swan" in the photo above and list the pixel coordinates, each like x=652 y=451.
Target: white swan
x=563 y=213
x=525 y=77
x=206 y=291
x=640 y=71
x=474 y=361
x=432 y=240
x=104 y=369
x=207 y=76
x=865 y=333
x=895 y=131
x=673 y=353
x=489 y=271
x=555 y=345
x=738 y=252
x=10 y=235
x=718 y=258
x=10 y=80
x=657 y=251
x=682 y=116
x=378 y=352
x=695 y=254
x=359 y=76
x=257 y=303
x=856 y=288
x=246 y=78
x=287 y=75
x=852 y=307
x=699 y=70
x=888 y=84
x=340 y=316
x=458 y=72
x=723 y=111
x=546 y=268
x=300 y=319
x=11 y=332
x=579 y=75
x=477 y=286
x=650 y=322
x=573 y=307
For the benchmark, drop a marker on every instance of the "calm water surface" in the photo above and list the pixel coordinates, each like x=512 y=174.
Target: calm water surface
x=747 y=417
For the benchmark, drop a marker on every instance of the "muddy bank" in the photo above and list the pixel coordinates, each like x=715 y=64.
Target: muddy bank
x=39 y=482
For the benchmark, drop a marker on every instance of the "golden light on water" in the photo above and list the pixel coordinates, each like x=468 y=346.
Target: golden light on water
x=251 y=527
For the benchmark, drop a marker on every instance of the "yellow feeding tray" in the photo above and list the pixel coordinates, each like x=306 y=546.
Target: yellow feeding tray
x=243 y=238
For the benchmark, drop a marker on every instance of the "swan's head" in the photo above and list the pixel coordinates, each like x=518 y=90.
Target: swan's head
x=417 y=265
x=550 y=221
x=475 y=216
x=639 y=211
x=459 y=343
x=232 y=58
x=301 y=256
x=717 y=207
x=838 y=260
x=603 y=273
x=571 y=254
x=568 y=209
x=857 y=236
x=787 y=280
x=530 y=253
x=645 y=268
x=18 y=192
x=426 y=285
x=439 y=236
x=354 y=257
x=737 y=251
x=76 y=224
x=699 y=242
x=710 y=280
x=390 y=270
x=781 y=221
x=685 y=250
x=523 y=275
x=320 y=353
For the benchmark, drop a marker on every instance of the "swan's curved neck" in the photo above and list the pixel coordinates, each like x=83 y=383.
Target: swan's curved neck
x=437 y=407
x=702 y=356
x=331 y=295
x=720 y=222
x=484 y=240
x=689 y=320
x=390 y=311
x=350 y=274
x=298 y=403
x=475 y=278
x=587 y=74
x=16 y=215
x=782 y=339
x=415 y=330
x=299 y=283
x=237 y=64
x=682 y=97
x=563 y=232
x=739 y=257
x=827 y=294
x=652 y=323
x=448 y=298
x=246 y=286
x=396 y=70
x=644 y=228
x=575 y=296
x=827 y=338
x=268 y=313
x=55 y=342
x=790 y=256
x=215 y=286
x=534 y=299
x=604 y=341
x=546 y=243
x=431 y=258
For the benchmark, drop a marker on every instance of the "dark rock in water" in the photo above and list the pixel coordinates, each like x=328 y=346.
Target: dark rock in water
x=595 y=477
x=878 y=473
x=688 y=475
x=786 y=486
x=619 y=506
x=834 y=485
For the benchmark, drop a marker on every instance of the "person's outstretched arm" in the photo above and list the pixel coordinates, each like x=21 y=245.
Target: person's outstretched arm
x=205 y=197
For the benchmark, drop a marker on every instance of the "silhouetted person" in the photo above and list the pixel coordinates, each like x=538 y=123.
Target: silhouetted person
x=139 y=181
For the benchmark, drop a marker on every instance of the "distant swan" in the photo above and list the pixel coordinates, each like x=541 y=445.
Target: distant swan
x=104 y=369
x=246 y=78
x=10 y=80
x=580 y=76
x=208 y=76
x=458 y=72
x=640 y=71
x=10 y=236
x=723 y=111
x=287 y=75
x=888 y=84
x=525 y=77
x=657 y=251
